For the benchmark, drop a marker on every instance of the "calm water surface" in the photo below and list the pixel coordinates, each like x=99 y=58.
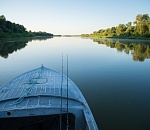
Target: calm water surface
x=113 y=75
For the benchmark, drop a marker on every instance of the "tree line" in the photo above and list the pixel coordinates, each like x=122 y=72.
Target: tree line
x=140 y=28
x=9 y=29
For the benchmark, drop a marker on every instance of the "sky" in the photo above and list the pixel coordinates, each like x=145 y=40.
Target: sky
x=66 y=17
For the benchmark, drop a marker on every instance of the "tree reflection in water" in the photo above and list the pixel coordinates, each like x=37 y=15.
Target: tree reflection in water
x=8 y=46
x=140 y=50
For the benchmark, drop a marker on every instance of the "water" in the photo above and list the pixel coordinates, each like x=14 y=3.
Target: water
x=113 y=75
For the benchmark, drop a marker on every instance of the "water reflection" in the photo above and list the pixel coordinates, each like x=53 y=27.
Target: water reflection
x=8 y=46
x=138 y=49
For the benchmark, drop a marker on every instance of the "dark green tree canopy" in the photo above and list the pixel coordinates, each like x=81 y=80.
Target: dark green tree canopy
x=9 y=29
x=2 y=17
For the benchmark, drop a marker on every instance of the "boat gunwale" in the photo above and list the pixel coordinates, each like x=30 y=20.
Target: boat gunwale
x=30 y=96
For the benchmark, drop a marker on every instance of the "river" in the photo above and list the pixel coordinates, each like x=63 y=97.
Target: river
x=113 y=74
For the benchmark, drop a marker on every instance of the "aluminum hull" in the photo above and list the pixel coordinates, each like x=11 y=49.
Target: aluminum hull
x=42 y=92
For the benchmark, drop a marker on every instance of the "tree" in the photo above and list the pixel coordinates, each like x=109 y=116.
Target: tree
x=148 y=25
x=145 y=17
x=9 y=26
x=113 y=31
x=129 y=24
x=143 y=28
x=120 y=29
x=139 y=18
x=106 y=32
x=142 y=24
x=2 y=17
x=130 y=29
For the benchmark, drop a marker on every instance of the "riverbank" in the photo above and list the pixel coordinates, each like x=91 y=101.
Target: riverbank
x=20 y=35
x=117 y=37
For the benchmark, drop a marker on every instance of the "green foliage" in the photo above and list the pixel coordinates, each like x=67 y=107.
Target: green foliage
x=139 y=29
x=2 y=17
x=9 y=29
x=85 y=35
x=120 y=31
x=42 y=34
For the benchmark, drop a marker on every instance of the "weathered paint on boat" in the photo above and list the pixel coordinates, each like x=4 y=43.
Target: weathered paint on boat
x=38 y=93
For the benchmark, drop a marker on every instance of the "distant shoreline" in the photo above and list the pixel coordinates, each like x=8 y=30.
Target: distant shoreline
x=120 y=37
x=70 y=35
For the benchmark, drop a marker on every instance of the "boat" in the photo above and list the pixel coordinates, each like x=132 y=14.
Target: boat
x=42 y=99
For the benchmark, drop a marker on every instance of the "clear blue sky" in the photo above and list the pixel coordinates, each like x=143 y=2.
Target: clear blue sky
x=72 y=16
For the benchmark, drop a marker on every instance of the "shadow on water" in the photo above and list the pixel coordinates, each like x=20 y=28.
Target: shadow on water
x=8 y=46
x=140 y=50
